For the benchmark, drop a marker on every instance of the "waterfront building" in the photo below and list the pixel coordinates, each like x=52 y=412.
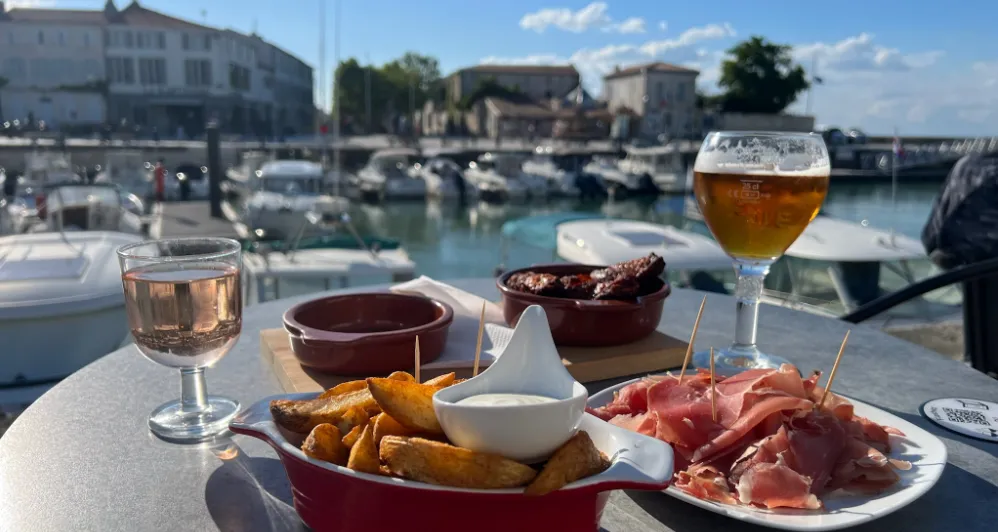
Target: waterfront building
x=661 y=95
x=536 y=82
x=52 y=66
x=152 y=70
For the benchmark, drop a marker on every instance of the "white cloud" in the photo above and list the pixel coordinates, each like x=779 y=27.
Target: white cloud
x=631 y=25
x=593 y=16
x=860 y=54
x=662 y=25
x=688 y=38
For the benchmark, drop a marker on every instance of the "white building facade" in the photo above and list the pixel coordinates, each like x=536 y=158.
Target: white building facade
x=161 y=73
x=52 y=67
x=662 y=95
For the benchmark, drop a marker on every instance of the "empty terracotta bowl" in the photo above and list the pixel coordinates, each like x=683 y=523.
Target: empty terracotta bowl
x=586 y=323
x=367 y=334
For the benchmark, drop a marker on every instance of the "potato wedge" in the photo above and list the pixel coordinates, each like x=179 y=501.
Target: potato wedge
x=342 y=388
x=302 y=416
x=353 y=417
x=444 y=380
x=409 y=403
x=445 y=465
x=324 y=443
x=402 y=376
x=364 y=454
x=577 y=459
x=354 y=434
x=385 y=425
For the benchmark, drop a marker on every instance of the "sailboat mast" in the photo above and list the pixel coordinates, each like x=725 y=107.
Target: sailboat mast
x=336 y=100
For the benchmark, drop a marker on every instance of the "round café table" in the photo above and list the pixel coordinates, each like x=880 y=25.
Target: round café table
x=82 y=457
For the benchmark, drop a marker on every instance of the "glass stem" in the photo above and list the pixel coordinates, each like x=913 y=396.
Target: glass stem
x=747 y=292
x=193 y=392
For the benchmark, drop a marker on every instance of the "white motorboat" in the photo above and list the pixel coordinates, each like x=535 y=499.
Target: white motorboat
x=499 y=177
x=45 y=168
x=444 y=180
x=61 y=307
x=270 y=275
x=618 y=182
x=128 y=170
x=241 y=179
x=609 y=241
x=662 y=164
x=389 y=174
x=833 y=268
x=559 y=171
x=79 y=207
x=837 y=266
x=289 y=191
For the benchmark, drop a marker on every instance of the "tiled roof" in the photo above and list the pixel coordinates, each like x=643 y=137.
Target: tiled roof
x=653 y=67
x=567 y=70
x=137 y=15
x=134 y=14
x=54 y=16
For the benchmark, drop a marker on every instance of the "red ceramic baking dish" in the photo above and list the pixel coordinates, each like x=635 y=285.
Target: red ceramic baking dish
x=367 y=334
x=331 y=498
x=585 y=323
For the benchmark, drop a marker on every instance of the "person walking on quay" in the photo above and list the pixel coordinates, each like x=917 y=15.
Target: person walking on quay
x=160 y=175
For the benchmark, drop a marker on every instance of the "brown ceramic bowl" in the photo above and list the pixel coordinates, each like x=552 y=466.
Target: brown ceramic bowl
x=367 y=334
x=586 y=323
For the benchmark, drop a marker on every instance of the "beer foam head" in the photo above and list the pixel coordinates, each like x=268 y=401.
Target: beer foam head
x=764 y=154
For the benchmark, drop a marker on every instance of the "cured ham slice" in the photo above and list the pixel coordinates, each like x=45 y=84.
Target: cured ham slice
x=769 y=445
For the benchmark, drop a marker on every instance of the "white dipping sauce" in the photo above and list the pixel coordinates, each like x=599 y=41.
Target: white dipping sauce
x=505 y=399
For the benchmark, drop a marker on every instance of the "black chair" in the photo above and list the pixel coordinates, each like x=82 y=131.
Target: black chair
x=980 y=308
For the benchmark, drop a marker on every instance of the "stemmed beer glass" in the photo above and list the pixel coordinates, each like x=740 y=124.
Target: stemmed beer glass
x=185 y=309
x=757 y=192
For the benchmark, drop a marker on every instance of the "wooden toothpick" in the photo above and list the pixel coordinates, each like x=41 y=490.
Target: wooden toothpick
x=693 y=339
x=478 y=348
x=418 y=380
x=713 y=394
x=835 y=367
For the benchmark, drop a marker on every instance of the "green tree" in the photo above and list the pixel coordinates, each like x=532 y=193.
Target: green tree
x=760 y=77
x=391 y=86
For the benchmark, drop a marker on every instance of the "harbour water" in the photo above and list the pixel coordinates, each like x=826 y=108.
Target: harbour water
x=449 y=241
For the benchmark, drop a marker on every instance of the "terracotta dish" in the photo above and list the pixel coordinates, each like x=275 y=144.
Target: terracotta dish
x=586 y=323
x=367 y=334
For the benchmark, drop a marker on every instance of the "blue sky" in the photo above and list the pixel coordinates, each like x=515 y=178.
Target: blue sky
x=921 y=67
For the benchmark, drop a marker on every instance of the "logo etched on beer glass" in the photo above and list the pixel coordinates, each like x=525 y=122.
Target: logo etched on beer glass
x=757 y=192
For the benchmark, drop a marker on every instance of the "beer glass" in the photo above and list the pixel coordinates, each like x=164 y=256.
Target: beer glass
x=185 y=310
x=757 y=191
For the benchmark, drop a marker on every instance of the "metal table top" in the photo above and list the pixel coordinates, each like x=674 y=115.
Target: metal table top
x=81 y=457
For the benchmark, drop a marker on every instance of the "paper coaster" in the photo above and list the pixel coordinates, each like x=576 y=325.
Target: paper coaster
x=970 y=417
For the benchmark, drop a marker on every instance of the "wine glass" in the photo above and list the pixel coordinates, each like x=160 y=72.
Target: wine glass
x=185 y=308
x=757 y=191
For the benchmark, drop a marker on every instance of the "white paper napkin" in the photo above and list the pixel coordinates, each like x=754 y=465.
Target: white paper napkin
x=459 y=353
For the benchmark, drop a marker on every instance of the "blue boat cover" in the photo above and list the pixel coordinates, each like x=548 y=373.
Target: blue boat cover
x=541 y=230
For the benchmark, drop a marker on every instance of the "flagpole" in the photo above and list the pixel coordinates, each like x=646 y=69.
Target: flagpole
x=337 y=165
x=895 y=156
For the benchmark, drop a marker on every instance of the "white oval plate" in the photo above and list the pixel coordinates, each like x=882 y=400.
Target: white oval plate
x=926 y=453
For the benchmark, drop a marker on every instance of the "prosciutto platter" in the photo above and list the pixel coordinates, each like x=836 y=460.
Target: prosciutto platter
x=771 y=456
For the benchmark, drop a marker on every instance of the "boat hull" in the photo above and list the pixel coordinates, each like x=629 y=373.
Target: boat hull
x=47 y=349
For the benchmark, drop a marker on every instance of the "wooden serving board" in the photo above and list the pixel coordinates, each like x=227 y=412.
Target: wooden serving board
x=655 y=353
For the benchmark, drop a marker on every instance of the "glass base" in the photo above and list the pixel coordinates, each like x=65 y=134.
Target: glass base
x=737 y=358
x=172 y=423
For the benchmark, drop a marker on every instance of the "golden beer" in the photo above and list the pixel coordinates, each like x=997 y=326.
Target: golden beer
x=756 y=215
